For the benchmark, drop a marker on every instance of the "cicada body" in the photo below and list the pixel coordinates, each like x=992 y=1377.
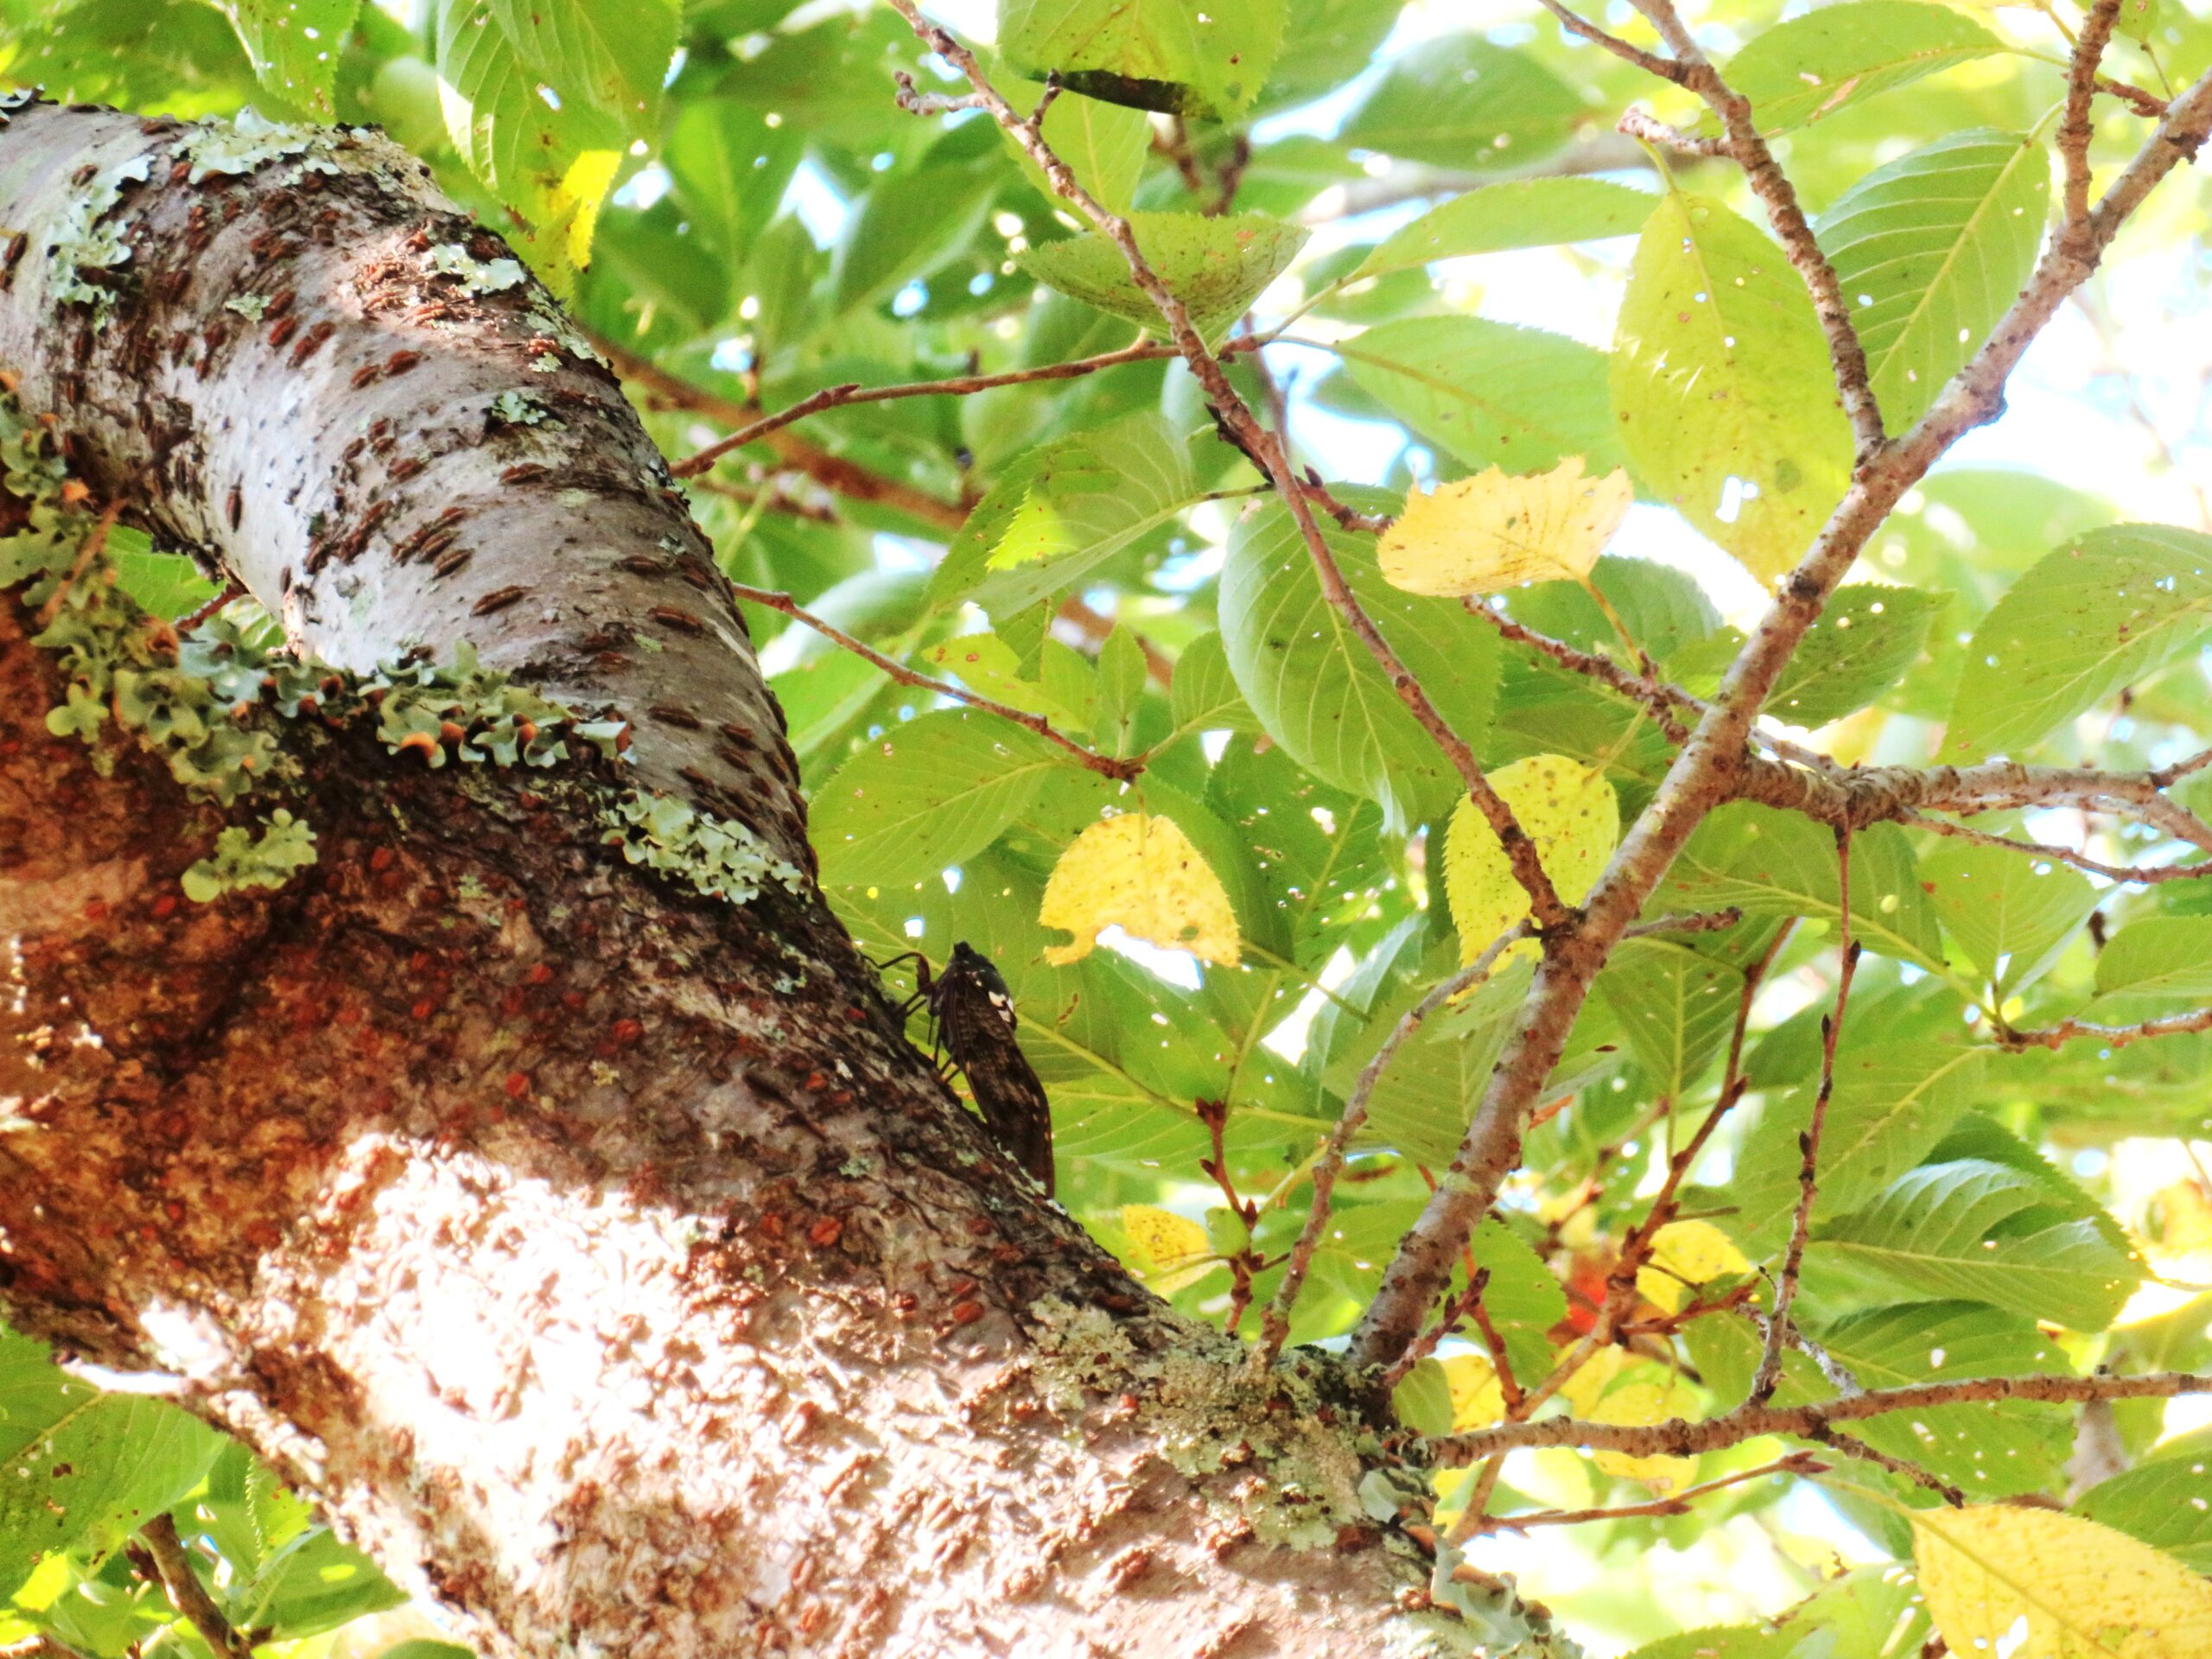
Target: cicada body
x=975 y=1023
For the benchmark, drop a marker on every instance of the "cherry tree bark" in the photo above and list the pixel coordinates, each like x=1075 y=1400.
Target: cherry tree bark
x=599 y=1252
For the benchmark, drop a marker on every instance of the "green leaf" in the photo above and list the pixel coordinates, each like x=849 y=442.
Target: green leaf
x=1675 y=1006
x=729 y=168
x=2092 y=616
x=1103 y=145
x=2010 y=914
x=1519 y=213
x=1804 y=70
x=1179 y=56
x=1721 y=384
x=80 y=1464
x=612 y=56
x=1978 y=1232
x=293 y=46
x=1121 y=677
x=1492 y=394
x=1893 y=1103
x=1216 y=267
x=1464 y=103
x=1320 y=694
x=1204 y=696
x=886 y=243
x=1771 y=863
x=2162 y=1503
x=1930 y=249
x=927 y=795
x=2162 y=964
x=986 y=664
x=1722 y=1642
x=1867 y=635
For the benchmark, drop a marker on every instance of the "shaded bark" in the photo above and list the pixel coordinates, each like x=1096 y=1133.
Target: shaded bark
x=599 y=1252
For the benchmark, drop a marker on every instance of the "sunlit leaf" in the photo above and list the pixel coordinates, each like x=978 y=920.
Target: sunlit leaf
x=1567 y=809
x=1485 y=534
x=1140 y=873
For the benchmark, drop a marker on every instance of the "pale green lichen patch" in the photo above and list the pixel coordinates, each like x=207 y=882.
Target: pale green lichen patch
x=243 y=860
x=521 y=409
x=477 y=275
x=245 y=146
x=85 y=242
x=718 y=858
x=251 y=307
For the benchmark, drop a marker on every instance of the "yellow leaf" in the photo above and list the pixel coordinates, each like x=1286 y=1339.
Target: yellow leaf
x=1613 y=1388
x=2033 y=1584
x=577 y=199
x=1168 y=1251
x=1685 y=1253
x=1485 y=534
x=1566 y=808
x=1141 y=873
x=1477 y=1400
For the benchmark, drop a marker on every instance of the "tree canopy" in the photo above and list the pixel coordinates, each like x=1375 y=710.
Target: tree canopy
x=1402 y=572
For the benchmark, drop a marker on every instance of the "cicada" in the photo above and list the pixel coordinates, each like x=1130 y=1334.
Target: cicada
x=975 y=1017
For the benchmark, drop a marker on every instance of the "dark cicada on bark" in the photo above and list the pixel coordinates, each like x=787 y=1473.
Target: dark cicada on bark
x=975 y=1017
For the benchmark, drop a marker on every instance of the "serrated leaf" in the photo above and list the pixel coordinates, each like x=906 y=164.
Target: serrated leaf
x=1204 y=696
x=1675 y=1006
x=1722 y=384
x=1122 y=678
x=612 y=56
x=1613 y=1388
x=1722 y=1642
x=986 y=664
x=1978 y=1232
x=2038 y=1584
x=2086 y=619
x=1805 y=69
x=77 y=1464
x=1139 y=873
x=1103 y=145
x=1866 y=637
x=1485 y=534
x=1313 y=685
x=1172 y=55
x=886 y=243
x=2162 y=964
x=1478 y=1399
x=293 y=45
x=1216 y=267
x=926 y=795
x=729 y=168
x=1930 y=249
x=2012 y=914
x=1492 y=394
x=1462 y=101
x=2166 y=1501
x=1685 y=1254
x=1566 y=808
x=1517 y=213
x=1770 y=863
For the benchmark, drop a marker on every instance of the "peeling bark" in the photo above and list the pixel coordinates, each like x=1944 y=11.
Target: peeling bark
x=600 y=1253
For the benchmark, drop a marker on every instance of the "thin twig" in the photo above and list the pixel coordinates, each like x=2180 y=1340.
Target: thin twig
x=1650 y=62
x=186 y=1594
x=1797 y=1463
x=2073 y=130
x=1678 y=1437
x=1274 y=1324
x=1641 y=124
x=2070 y=1031
x=2145 y=875
x=88 y=553
x=1456 y=1309
x=1106 y=766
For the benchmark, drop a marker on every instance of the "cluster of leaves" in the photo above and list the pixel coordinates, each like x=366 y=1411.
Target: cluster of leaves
x=1292 y=831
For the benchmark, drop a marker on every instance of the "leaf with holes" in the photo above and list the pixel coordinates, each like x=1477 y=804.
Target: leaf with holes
x=1485 y=534
x=1863 y=642
x=2010 y=914
x=1517 y=213
x=1721 y=385
x=1464 y=103
x=1216 y=267
x=613 y=57
x=294 y=46
x=2160 y=965
x=1176 y=56
x=1803 y=70
x=1566 y=808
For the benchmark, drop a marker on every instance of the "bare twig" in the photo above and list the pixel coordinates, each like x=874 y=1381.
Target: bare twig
x=1650 y=62
x=1641 y=124
x=1678 y=1437
x=2071 y=1031
x=2145 y=875
x=186 y=1594
x=2074 y=131
x=1797 y=1463
x=1274 y=1324
x=1105 y=766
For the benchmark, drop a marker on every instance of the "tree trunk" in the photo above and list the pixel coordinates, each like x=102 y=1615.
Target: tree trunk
x=598 y=1251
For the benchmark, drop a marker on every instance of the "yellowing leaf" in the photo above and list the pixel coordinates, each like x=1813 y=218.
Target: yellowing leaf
x=1566 y=808
x=2033 y=1584
x=1141 y=873
x=1166 y=1250
x=1485 y=534
x=1613 y=1388
x=1685 y=1253
x=1477 y=1400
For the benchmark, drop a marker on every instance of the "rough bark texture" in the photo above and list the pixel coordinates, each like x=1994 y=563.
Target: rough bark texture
x=600 y=1253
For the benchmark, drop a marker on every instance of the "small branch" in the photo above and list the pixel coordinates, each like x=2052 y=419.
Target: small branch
x=1678 y=1437
x=2073 y=130
x=1105 y=766
x=1797 y=1463
x=2069 y=1031
x=39 y=1647
x=2143 y=874
x=851 y=392
x=1768 y=1374
x=1851 y=1446
x=1274 y=1324
x=1456 y=1308
x=1639 y=123
x=186 y=1594
x=1650 y=62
